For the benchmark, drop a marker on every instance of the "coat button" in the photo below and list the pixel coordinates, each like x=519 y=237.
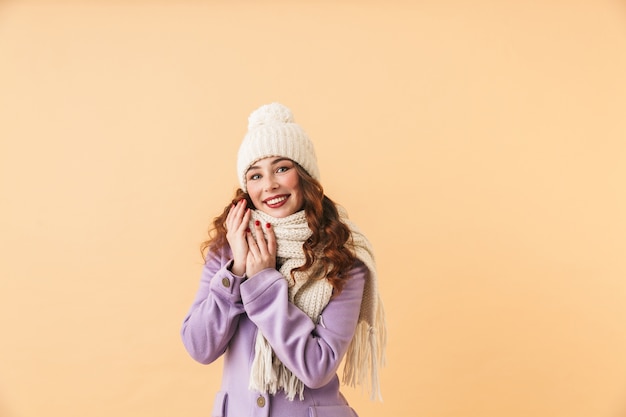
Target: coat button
x=226 y=282
x=260 y=401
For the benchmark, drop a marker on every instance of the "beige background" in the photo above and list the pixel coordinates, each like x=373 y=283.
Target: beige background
x=479 y=144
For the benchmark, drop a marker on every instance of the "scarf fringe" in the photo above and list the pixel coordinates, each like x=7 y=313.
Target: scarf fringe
x=269 y=374
x=367 y=347
x=263 y=375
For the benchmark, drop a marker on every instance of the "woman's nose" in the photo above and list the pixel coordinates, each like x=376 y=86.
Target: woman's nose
x=270 y=183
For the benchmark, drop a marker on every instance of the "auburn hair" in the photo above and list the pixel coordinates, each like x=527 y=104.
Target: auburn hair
x=330 y=242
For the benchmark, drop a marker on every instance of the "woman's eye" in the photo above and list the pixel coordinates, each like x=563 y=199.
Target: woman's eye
x=254 y=177
x=282 y=169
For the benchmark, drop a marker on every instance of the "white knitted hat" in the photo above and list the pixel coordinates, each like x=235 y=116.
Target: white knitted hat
x=272 y=131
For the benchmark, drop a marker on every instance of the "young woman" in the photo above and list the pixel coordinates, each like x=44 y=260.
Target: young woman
x=289 y=286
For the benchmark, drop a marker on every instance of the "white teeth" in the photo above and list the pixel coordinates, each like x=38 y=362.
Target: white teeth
x=276 y=200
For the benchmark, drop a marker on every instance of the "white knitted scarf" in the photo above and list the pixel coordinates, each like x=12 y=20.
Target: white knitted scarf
x=367 y=348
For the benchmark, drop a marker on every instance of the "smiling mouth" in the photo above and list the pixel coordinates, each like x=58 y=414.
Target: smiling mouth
x=276 y=201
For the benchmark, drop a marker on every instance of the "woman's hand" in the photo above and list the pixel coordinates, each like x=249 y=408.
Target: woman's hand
x=261 y=252
x=236 y=225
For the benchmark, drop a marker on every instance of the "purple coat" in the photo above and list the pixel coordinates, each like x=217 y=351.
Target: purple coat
x=224 y=319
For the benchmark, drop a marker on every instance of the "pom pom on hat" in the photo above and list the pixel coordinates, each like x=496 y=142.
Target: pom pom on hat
x=272 y=131
x=270 y=114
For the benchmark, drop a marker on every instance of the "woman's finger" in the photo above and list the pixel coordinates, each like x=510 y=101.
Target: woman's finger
x=245 y=219
x=260 y=239
x=232 y=214
x=253 y=248
x=271 y=239
x=235 y=216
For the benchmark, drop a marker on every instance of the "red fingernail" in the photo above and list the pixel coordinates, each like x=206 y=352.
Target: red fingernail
x=247 y=230
x=268 y=225
x=256 y=222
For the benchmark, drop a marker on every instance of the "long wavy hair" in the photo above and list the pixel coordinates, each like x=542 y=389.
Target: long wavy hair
x=331 y=238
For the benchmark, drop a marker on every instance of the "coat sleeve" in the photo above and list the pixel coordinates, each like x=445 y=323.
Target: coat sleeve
x=214 y=314
x=312 y=351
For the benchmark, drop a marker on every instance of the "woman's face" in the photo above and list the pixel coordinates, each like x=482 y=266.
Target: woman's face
x=274 y=187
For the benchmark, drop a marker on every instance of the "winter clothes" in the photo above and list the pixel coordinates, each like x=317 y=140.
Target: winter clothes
x=226 y=315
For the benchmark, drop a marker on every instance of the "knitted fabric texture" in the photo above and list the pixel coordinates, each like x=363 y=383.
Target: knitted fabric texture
x=272 y=131
x=366 y=351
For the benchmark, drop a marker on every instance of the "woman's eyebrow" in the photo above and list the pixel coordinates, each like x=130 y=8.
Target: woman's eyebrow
x=279 y=160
